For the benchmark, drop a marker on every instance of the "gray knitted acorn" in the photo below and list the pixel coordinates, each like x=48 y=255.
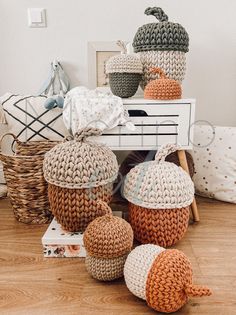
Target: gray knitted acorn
x=161 y=45
x=124 y=72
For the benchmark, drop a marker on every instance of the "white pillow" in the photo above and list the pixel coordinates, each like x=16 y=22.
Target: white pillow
x=28 y=119
x=214 y=156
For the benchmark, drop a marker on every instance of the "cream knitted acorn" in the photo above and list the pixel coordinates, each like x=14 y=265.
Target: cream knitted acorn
x=161 y=277
x=79 y=172
x=159 y=195
x=162 y=45
x=107 y=240
x=124 y=72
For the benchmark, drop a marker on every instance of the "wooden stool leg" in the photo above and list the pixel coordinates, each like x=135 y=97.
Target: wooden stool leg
x=184 y=165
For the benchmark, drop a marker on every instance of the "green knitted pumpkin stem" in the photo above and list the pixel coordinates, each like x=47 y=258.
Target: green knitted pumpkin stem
x=158 y=13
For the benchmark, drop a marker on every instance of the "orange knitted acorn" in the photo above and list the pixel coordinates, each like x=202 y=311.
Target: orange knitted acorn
x=162 y=88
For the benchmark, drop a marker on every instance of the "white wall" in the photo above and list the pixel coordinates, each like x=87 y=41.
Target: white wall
x=211 y=75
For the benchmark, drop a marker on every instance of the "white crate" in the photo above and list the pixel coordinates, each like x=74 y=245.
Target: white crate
x=162 y=122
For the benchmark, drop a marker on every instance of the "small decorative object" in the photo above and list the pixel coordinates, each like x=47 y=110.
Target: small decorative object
x=161 y=277
x=159 y=195
x=107 y=240
x=162 y=45
x=56 y=86
x=27 y=188
x=162 y=88
x=59 y=243
x=79 y=172
x=124 y=72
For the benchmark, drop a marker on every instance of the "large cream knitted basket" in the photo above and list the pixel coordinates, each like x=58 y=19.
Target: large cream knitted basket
x=161 y=45
x=79 y=172
x=159 y=195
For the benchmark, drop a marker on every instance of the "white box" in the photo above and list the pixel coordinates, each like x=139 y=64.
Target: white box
x=60 y=243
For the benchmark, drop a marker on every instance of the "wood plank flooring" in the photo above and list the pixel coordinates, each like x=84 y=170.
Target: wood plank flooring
x=33 y=285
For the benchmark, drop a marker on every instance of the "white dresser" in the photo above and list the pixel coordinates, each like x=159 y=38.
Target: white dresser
x=156 y=122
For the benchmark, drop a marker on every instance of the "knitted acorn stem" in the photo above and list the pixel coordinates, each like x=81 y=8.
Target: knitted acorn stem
x=159 y=71
x=165 y=150
x=122 y=46
x=195 y=290
x=158 y=13
x=106 y=210
x=84 y=133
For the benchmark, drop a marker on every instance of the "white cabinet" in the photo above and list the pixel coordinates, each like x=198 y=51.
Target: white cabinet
x=157 y=123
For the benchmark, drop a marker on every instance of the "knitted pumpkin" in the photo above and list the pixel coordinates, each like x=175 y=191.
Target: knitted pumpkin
x=107 y=240
x=162 y=277
x=162 y=88
x=159 y=195
x=79 y=172
x=124 y=72
x=162 y=45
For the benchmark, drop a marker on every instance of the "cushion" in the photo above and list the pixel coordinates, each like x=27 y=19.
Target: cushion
x=214 y=157
x=28 y=119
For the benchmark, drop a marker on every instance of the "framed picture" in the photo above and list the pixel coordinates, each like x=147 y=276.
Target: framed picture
x=98 y=54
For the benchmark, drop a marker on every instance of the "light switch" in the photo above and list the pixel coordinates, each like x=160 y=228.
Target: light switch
x=36 y=17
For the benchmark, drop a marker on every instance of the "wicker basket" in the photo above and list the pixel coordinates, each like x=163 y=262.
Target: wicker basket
x=27 y=188
x=79 y=172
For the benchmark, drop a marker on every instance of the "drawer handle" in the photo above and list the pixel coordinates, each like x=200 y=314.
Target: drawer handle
x=137 y=113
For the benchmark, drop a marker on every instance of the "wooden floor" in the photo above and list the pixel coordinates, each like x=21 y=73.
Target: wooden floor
x=31 y=284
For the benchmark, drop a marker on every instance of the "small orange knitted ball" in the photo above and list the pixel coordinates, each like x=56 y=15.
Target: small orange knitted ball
x=162 y=88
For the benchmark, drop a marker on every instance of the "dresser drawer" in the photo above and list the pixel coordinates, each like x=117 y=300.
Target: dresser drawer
x=156 y=123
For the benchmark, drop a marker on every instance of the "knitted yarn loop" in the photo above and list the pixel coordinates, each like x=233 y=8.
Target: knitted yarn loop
x=196 y=290
x=165 y=150
x=122 y=46
x=158 y=71
x=158 y=13
x=84 y=133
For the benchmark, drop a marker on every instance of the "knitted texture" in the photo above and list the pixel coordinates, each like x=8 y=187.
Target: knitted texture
x=164 y=227
x=173 y=63
x=74 y=209
x=104 y=269
x=159 y=184
x=126 y=63
x=162 y=277
x=170 y=295
x=124 y=84
x=108 y=237
x=136 y=157
x=137 y=267
x=160 y=36
x=80 y=163
x=162 y=88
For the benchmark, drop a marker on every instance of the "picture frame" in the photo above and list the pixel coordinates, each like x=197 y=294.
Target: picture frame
x=98 y=54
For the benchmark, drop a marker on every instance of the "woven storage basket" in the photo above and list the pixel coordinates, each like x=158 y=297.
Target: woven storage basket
x=124 y=72
x=79 y=172
x=164 y=45
x=159 y=195
x=162 y=277
x=27 y=188
x=107 y=241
